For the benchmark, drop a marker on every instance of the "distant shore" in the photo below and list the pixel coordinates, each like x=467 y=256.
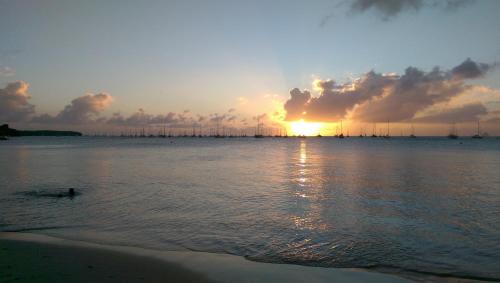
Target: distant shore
x=35 y=258
x=6 y=131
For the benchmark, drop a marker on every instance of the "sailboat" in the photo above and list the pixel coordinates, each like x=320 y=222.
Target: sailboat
x=374 y=130
x=163 y=134
x=388 y=134
x=361 y=132
x=193 y=134
x=412 y=135
x=258 y=131
x=341 y=136
x=477 y=135
x=217 y=134
x=453 y=132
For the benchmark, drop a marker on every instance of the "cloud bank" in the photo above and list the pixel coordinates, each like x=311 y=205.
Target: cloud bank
x=184 y=119
x=14 y=104
x=140 y=119
x=379 y=97
x=81 y=110
x=87 y=110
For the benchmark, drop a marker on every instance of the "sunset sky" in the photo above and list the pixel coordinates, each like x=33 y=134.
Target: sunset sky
x=77 y=64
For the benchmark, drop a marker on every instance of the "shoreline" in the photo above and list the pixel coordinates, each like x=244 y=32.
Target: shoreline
x=35 y=257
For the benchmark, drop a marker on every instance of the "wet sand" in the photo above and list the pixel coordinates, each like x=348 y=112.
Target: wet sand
x=24 y=261
x=37 y=258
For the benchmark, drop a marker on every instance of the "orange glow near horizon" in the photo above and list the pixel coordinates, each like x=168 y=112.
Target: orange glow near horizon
x=301 y=128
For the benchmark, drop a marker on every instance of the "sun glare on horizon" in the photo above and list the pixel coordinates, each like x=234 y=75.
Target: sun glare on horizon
x=301 y=128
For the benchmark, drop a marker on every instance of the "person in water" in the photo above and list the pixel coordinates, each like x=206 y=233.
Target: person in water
x=71 y=193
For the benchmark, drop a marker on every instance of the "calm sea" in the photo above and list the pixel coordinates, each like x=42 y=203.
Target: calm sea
x=418 y=207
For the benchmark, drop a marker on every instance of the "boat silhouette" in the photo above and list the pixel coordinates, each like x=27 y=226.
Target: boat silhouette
x=341 y=136
x=412 y=135
x=477 y=135
x=388 y=134
x=374 y=130
x=259 y=129
x=453 y=132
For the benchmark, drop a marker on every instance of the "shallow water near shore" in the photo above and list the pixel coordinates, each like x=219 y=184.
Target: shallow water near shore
x=408 y=206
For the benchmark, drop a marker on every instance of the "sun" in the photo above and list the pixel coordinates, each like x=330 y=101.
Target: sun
x=301 y=128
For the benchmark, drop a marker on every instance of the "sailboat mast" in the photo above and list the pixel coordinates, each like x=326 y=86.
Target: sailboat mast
x=258 y=126
x=388 y=130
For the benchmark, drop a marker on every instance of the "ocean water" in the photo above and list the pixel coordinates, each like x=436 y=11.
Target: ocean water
x=417 y=207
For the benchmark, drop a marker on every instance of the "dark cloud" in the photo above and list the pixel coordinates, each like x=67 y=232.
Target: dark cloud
x=335 y=100
x=391 y=8
x=387 y=8
x=82 y=110
x=295 y=106
x=466 y=113
x=414 y=91
x=380 y=97
x=470 y=69
x=14 y=102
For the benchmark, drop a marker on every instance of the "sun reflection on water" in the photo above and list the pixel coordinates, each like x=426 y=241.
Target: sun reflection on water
x=302 y=163
x=303 y=152
x=309 y=190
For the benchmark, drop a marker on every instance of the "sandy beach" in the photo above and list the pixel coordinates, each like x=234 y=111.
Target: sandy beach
x=36 y=261
x=37 y=258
